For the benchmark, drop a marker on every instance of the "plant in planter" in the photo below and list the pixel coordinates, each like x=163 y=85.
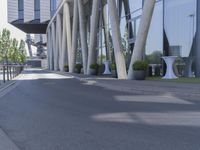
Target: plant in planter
x=66 y=68
x=78 y=68
x=140 y=67
x=94 y=69
x=113 y=70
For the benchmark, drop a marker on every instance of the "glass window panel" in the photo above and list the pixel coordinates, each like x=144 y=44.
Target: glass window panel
x=180 y=25
x=154 y=42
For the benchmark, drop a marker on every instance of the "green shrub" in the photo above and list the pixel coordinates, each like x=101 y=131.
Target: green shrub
x=113 y=66
x=78 y=66
x=94 y=66
x=66 y=66
x=140 y=65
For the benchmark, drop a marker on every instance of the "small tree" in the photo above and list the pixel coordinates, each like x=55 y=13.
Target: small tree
x=14 y=51
x=22 y=52
x=9 y=49
x=5 y=43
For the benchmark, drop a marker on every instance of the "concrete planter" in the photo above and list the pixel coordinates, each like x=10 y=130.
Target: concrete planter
x=114 y=73
x=77 y=70
x=139 y=74
x=66 y=69
x=93 y=71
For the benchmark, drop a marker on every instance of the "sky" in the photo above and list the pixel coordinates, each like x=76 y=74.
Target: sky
x=15 y=33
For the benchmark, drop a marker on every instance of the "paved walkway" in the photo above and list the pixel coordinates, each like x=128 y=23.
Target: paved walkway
x=49 y=111
x=187 y=91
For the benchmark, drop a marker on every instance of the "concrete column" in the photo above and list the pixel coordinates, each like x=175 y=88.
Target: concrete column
x=116 y=37
x=49 y=48
x=119 y=7
x=58 y=42
x=74 y=34
x=197 y=47
x=66 y=11
x=93 y=34
x=52 y=48
x=64 y=54
x=106 y=32
x=55 y=66
x=48 y=58
x=83 y=35
x=142 y=34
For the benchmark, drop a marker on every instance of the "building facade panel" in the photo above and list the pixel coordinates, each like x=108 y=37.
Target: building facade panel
x=28 y=11
x=45 y=13
x=12 y=10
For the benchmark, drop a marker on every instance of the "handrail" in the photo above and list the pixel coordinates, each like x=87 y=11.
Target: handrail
x=8 y=72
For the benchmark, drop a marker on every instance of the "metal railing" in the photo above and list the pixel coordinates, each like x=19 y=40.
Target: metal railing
x=8 y=72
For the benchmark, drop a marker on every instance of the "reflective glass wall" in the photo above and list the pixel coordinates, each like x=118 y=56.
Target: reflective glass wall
x=130 y=21
x=154 y=44
x=180 y=29
x=172 y=32
x=53 y=4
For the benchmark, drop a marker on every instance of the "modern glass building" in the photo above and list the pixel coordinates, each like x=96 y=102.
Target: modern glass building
x=94 y=31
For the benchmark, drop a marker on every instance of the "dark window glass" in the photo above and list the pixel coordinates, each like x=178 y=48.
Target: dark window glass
x=21 y=9
x=37 y=9
x=53 y=6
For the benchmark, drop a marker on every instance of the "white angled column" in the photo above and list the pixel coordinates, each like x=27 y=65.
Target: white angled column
x=48 y=48
x=51 y=49
x=93 y=34
x=64 y=54
x=142 y=34
x=83 y=35
x=58 y=41
x=74 y=34
x=53 y=33
x=66 y=12
x=106 y=32
x=116 y=37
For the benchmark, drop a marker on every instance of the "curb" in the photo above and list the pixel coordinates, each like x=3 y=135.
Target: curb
x=4 y=87
x=10 y=83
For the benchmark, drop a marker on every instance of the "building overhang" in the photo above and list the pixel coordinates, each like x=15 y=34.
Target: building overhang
x=33 y=27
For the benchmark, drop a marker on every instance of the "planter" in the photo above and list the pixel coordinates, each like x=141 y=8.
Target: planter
x=66 y=69
x=114 y=73
x=93 y=72
x=139 y=74
x=82 y=70
x=77 y=70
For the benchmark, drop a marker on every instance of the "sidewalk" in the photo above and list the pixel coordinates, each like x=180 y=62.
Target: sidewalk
x=187 y=91
x=5 y=142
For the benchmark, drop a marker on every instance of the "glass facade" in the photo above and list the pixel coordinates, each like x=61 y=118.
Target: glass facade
x=180 y=26
x=180 y=29
x=53 y=6
x=171 y=33
x=37 y=9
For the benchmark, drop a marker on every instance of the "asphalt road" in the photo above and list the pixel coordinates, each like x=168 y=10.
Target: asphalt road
x=45 y=111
